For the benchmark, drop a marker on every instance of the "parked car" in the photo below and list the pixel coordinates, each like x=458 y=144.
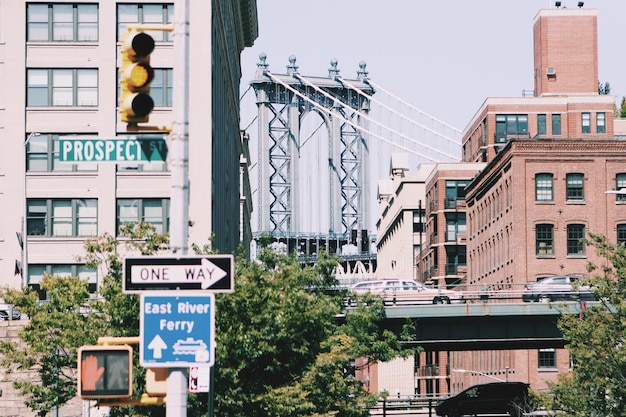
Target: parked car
x=5 y=309
x=493 y=398
x=408 y=292
x=560 y=287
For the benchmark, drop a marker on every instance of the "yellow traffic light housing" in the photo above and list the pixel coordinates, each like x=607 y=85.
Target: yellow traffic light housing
x=136 y=74
x=105 y=372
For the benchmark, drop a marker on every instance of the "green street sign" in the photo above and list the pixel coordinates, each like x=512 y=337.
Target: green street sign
x=112 y=150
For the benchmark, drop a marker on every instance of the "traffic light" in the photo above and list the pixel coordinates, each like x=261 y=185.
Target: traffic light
x=136 y=74
x=105 y=372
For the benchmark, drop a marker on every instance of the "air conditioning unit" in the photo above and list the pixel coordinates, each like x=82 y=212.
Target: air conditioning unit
x=551 y=71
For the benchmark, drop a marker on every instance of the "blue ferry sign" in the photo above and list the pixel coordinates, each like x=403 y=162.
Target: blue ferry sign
x=177 y=331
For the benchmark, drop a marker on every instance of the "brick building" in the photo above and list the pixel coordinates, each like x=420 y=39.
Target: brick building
x=550 y=159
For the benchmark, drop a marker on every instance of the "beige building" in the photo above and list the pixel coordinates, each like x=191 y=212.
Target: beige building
x=400 y=234
x=59 y=79
x=59 y=65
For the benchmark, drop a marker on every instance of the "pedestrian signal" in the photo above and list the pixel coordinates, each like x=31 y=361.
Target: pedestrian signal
x=105 y=372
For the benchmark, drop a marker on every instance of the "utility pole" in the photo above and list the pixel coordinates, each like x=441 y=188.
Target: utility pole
x=176 y=405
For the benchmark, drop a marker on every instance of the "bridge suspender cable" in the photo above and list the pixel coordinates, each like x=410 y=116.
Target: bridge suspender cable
x=430 y=148
x=351 y=123
x=415 y=122
x=378 y=87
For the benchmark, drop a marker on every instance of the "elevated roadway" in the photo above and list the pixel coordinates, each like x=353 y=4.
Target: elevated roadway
x=485 y=326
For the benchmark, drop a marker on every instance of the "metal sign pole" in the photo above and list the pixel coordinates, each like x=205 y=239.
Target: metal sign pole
x=176 y=405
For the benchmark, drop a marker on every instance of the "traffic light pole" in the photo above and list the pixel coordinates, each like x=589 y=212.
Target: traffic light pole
x=176 y=405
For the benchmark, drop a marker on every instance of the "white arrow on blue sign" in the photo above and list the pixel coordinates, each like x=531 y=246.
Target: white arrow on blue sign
x=177 y=331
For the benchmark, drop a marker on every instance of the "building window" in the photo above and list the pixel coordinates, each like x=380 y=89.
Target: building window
x=62 y=217
x=545 y=239
x=586 y=122
x=455 y=190
x=547 y=358
x=621 y=233
x=543 y=187
x=62 y=87
x=541 y=124
x=575 y=232
x=42 y=155
x=512 y=124
x=145 y=14
x=161 y=87
x=455 y=226
x=419 y=222
x=37 y=272
x=50 y=22
x=455 y=257
x=620 y=183
x=155 y=211
x=556 y=124
x=575 y=188
x=601 y=122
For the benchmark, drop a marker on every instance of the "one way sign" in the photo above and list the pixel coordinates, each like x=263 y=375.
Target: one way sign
x=211 y=273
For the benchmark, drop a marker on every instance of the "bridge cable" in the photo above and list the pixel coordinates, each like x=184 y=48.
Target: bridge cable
x=378 y=87
x=415 y=122
x=351 y=123
x=316 y=88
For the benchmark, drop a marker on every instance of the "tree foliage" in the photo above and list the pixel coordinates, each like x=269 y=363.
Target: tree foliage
x=283 y=345
x=281 y=349
x=71 y=317
x=597 y=384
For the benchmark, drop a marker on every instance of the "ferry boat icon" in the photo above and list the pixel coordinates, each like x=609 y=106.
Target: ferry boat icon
x=189 y=346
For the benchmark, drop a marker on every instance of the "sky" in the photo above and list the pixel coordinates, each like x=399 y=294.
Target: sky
x=445 y=57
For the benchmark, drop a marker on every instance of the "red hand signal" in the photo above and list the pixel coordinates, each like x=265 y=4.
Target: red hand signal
x=90 y=373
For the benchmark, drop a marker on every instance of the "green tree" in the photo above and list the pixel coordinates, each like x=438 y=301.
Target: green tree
x=597 y=384
x=283 y=345
x=71 y=318
x=281 y=349
x=622 y=111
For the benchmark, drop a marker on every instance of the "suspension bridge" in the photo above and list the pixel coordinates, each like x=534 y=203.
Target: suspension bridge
x=319 y=145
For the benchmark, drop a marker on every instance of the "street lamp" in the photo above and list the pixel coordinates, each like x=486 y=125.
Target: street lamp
x=25 y=213
x=468 y=371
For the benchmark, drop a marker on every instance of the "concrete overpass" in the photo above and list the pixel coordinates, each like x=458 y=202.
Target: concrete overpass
x=484 y=326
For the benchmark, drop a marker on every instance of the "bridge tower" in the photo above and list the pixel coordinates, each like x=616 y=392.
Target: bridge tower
x=283 y=100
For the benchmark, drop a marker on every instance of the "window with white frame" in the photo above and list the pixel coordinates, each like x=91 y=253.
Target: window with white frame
x=601 y=122
x=42 y=155
x=145 y=14
x=155 y=211
x=544 y=187
x=62 y=217
x=575 y=187
x=62 y=87
x=546 y=358
x=36 y=273
x=62 y=22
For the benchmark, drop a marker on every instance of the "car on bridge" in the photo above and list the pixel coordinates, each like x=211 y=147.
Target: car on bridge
x=492 y=398
x=407 y=292
x=559 y=287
